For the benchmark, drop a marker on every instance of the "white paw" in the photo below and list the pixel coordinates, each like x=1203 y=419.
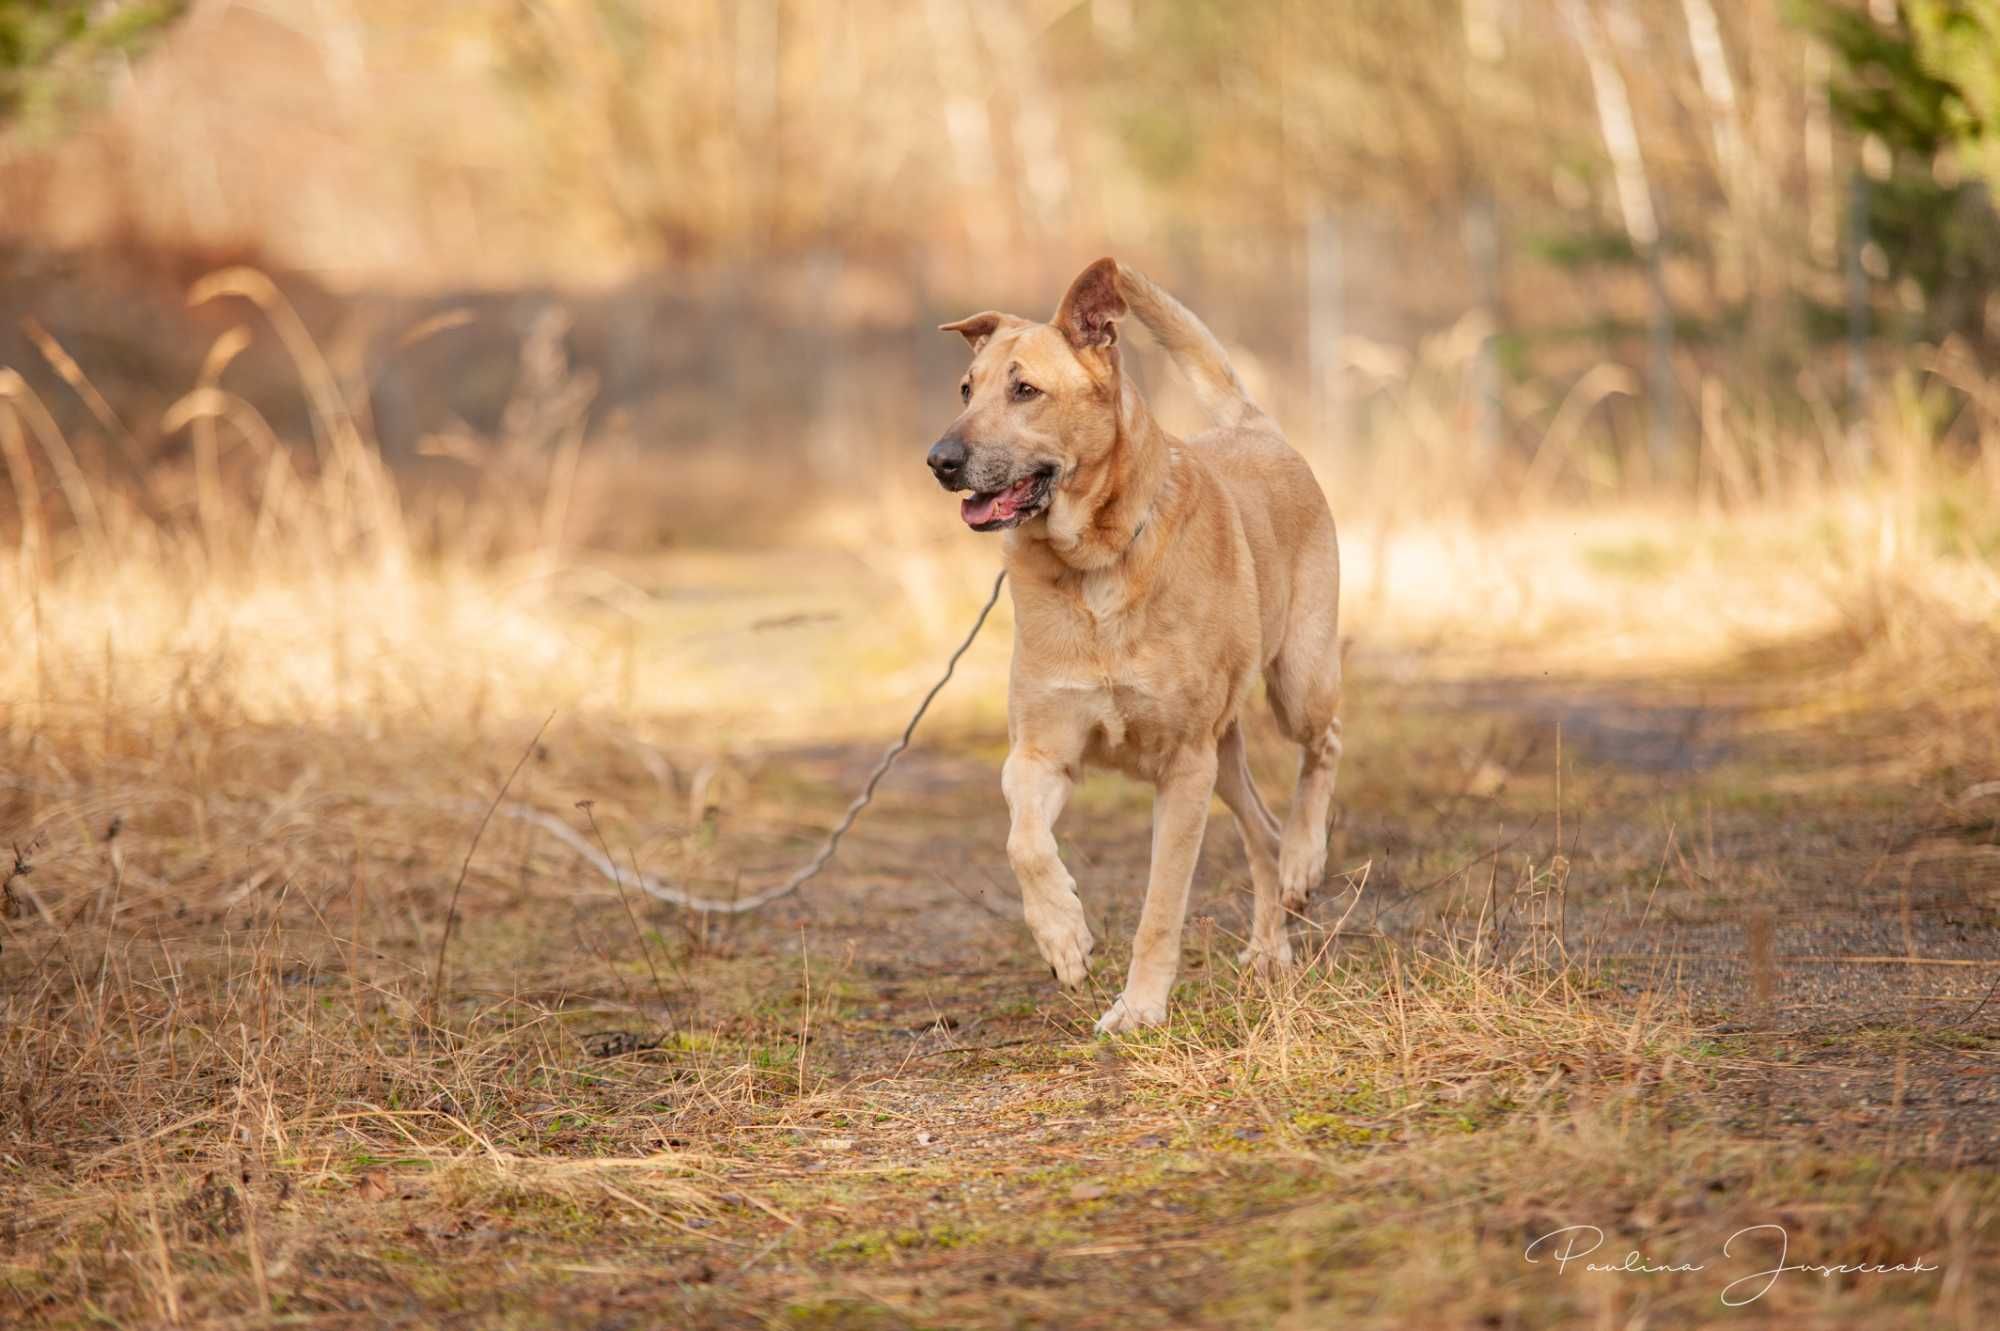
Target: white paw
x=1128 y=1014
x=1266 y=958
x=1066 y=945
x=1299 y=872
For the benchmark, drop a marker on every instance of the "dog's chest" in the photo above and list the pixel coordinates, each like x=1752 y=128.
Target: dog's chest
x=1102 y=594
x=1125 y=678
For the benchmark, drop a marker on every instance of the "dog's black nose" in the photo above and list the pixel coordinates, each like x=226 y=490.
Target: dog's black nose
x=947 y=461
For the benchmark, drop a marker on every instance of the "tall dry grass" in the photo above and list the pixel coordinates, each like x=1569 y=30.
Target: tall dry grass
x=311 y=581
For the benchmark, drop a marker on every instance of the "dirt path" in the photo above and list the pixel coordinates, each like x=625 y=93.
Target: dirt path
x=1844 y=934
x=1834 y=946
x=1851 y=935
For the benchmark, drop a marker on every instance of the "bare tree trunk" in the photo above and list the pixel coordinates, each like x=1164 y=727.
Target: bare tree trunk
x=1661 y=390
x=755 y=78
x=967 y=125
x=1873 y=163
x=1642 y=225
x=1711 y=63
x=1040 y=157
x=1822 y=201
x=1857 y=315
x=1479 y=226
x=1112 y=21
x=1743 y=255
x=1325 y=327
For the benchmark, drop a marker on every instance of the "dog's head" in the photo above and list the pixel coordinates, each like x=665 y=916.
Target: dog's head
x=1041 y=404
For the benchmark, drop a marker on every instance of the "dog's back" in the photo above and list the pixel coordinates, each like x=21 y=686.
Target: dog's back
x=1284 y=513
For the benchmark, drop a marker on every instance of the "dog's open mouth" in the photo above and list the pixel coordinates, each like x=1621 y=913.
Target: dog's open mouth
x=992 y=510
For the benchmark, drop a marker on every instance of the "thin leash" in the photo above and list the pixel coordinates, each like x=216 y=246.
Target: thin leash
x=805 y=873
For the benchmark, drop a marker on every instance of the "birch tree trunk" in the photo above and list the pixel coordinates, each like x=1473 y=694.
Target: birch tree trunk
x=1636 y=206
x=968 y=126
x=1479 y=224
x=1325 y=328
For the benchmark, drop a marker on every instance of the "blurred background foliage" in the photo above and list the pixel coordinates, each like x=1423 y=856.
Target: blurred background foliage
x=1919 y=84
x=53 y=52
x=1582 y=239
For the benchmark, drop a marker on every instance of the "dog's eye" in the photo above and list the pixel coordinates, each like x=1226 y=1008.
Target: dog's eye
x=965 y=391
x=1024 y=391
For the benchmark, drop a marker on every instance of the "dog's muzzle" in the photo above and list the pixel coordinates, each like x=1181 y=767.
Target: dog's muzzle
x=1010 y=505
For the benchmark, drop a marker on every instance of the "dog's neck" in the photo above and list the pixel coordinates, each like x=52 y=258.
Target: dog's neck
x=1115 y=497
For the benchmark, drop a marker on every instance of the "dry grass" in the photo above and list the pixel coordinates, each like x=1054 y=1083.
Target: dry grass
x=251 y=726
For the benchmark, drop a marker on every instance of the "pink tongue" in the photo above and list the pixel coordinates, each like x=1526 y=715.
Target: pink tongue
x=976 y=509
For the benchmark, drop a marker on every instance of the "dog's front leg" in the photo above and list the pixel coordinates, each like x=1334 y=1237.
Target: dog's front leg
x=1037 y=785
x=1180 y=816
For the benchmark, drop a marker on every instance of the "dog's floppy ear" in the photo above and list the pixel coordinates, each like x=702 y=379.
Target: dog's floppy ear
x=976 y=328
x=1091 y=309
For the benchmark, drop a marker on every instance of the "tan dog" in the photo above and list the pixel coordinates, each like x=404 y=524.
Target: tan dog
x=1154 y=579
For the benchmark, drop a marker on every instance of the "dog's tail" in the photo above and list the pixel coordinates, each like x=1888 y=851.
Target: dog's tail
x=1193 y=348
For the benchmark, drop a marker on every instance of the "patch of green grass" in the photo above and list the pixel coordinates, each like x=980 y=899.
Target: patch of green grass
x=1892 y=1037
x=1317 y=1125
x=1106 y=793
x=1721 y=1046
x=843 y=1315
x=1640 y=559
x=876 y=1244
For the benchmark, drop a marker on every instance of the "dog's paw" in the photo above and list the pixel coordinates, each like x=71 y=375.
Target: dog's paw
x=1066 y=945
x=1266 y=959
x=1129 y=1014
x=1299 y=873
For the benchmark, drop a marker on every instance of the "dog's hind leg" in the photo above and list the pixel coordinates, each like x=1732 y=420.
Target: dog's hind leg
x=1304 y=687
x=1302 y=856
x=1037 y=785
x=1269 y=946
